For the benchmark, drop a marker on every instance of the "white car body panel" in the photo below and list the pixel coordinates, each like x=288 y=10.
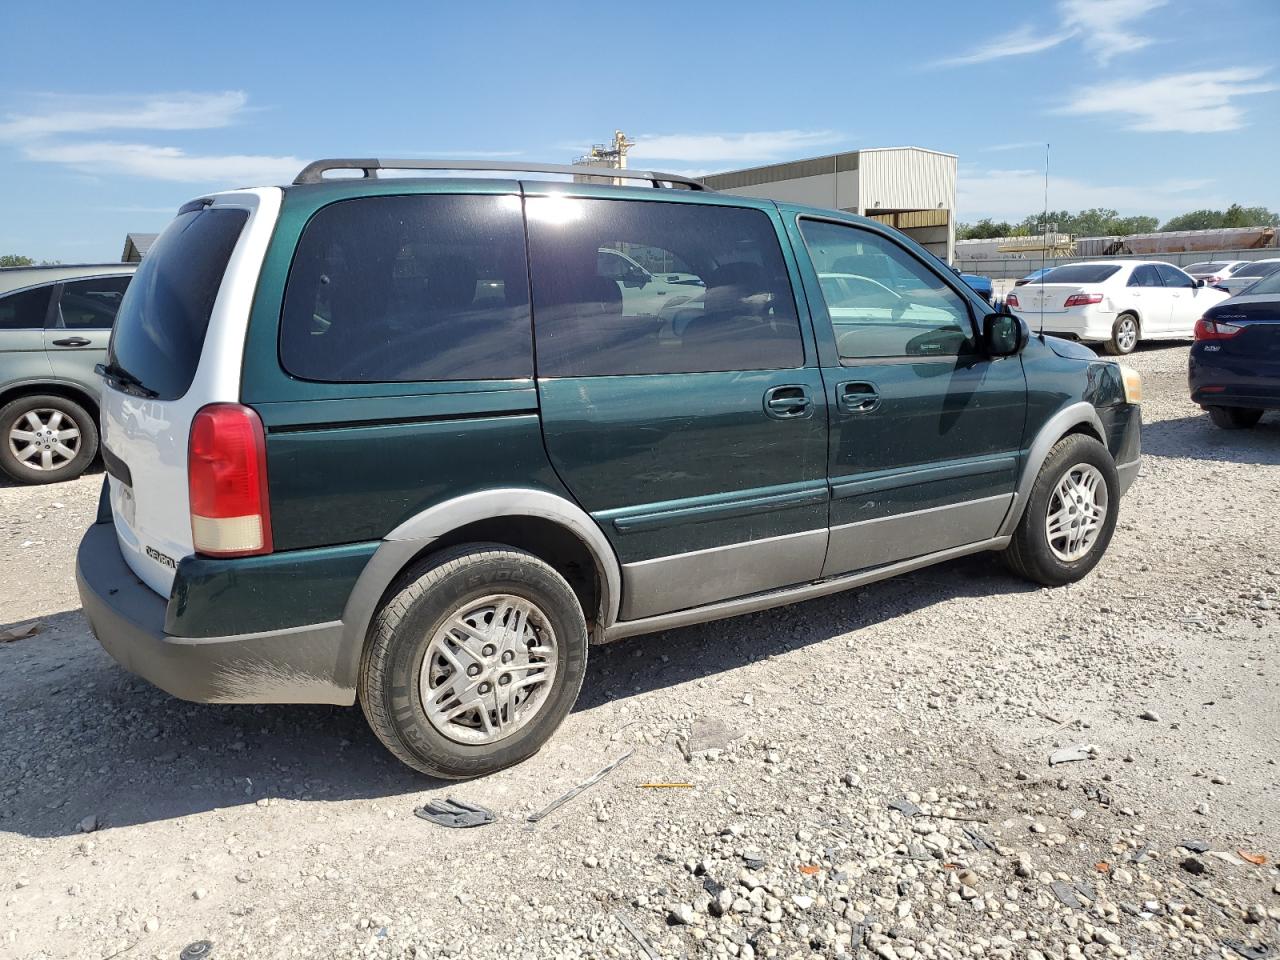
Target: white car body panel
x=1240 y=277
x=1162 y=311
x=153 y=518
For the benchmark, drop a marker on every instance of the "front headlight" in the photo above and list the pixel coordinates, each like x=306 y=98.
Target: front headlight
x=1132 y=384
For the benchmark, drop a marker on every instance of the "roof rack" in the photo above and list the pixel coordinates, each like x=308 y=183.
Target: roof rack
x=315 y=172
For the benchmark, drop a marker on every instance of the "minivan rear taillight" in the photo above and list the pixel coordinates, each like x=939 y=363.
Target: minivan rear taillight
x=227 y=482
x=1207 y=329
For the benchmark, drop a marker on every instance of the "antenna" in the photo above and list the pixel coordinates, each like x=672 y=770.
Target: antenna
x=1044 y=240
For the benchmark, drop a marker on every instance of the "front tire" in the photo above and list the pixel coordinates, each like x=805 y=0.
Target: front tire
x=46 y=438
x=1125 y=334
x=1070 y=514
x=473 y=664
x=1234 y=418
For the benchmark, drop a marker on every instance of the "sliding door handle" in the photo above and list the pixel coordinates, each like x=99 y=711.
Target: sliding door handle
x=857 y=396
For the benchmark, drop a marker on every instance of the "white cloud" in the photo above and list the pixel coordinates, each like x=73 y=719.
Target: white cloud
x=167 y=163
x=1012 y=194
x=1015 y=43
x=1020 y=145
x=170 y=111
x=756 y=147
x=1102 y=25
x=1197 y=102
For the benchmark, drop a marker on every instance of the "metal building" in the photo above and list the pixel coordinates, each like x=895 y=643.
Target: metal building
x=910 y=188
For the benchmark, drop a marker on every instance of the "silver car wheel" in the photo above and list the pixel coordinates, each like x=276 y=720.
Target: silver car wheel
x=488 y=669
x=44 y=439
x=1077 y=512
x=1127 y=334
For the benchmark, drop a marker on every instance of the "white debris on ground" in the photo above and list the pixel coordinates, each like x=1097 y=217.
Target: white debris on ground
x=134 y=824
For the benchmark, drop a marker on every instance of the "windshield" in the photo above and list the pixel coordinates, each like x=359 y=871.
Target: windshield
x=159 y=332
x=1268 y=284
x=1081 y=273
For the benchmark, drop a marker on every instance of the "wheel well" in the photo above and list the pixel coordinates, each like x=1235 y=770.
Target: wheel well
x=54 y=390
x=546 y=540
x=1086 y=430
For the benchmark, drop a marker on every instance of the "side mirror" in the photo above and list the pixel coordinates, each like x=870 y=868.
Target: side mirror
x=1196 y=282
x=636 y=278
x=1004 y=335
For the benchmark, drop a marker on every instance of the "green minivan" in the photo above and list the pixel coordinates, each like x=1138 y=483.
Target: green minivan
x=419 y=442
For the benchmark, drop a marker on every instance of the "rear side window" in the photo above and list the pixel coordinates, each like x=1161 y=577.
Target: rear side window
x=1081 y=273
x=26 y=309
x=1145 y=276
x=409 y=288
x=1253 y=271
x=90 y=304
x=160 y=329
x=644 y=287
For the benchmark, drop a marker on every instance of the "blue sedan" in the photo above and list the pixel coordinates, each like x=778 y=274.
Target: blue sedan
x=1234 y=369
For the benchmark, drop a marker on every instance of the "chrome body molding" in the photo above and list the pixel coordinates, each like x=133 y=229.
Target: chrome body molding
x=777 y=598
x=702 y=576
x=1056 y=427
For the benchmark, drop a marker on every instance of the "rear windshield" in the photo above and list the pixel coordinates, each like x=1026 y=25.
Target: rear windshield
x=1209 y=266
x=1081 y=273
x=1256 y=270
x=1268 y=284
x=160 y=329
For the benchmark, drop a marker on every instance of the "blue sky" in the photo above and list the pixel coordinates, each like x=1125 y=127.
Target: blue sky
x=111 y=116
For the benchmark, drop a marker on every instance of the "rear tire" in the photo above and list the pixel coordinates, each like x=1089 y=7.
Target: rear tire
x=1234 y=418
x=1078 y=477
x=473 y=625
x=46 y=438
x=1125 y=334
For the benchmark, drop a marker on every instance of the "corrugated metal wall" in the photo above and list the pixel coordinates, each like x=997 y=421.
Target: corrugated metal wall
x=907 y=178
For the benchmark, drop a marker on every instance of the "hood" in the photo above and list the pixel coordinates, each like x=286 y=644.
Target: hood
x=1069 y=349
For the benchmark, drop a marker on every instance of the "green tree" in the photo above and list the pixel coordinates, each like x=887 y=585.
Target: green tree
x=15 y=260
x=984 y=229
x=1234 y=216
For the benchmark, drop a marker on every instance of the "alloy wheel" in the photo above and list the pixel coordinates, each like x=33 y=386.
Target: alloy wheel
x=1077 y=512
x=44 y=439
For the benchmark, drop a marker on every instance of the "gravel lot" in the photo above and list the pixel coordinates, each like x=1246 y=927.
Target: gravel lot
x=132 y=824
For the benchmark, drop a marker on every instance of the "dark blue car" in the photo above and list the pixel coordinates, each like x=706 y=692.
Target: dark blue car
x=1234 y=370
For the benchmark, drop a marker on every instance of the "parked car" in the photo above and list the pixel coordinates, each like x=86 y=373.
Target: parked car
x=1234 y=369
x=1032 y=277
x=1247 y=275
x=1115 y=302
x=981 y=285
x=645 y=293
x=352 y=481
x=54 y=326
x=1214 y=271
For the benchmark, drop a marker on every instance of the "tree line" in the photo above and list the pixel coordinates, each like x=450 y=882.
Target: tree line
x=1101 y=222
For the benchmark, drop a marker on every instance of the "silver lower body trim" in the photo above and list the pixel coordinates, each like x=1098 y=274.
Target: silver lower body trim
x=684 y=580
x=778 y=598
x=1128 y=473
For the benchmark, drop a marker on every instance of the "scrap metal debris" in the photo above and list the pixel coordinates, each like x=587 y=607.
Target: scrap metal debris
x=1066 y=893
x=196 y=951
x=905 y=807
x=1073 y=753
x=455 y=813
x=1249 y=951
x=978 y=840
x=1195 y=846
x=591 y=781
x=637 y=936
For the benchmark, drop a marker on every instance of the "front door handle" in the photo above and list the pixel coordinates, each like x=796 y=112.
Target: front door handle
x=857 y=396
x=72 y=342
x=789 y=402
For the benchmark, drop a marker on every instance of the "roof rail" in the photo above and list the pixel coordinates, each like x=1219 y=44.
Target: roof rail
x=315 y=172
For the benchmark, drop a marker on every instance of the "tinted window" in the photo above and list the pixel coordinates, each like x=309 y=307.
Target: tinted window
x=25 y=310
x=1209 y=266
x=596 y=313
x=1173 y=277
x=90 y=304
x=1081 y=273
x=883 y=302
x=1255 y=270
x=409 y=289
x=159 y=331
x=1145 y=276
x=1268 y=284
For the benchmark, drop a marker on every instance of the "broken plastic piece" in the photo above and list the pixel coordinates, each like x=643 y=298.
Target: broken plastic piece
x=1195 y=846
x=1071 y=754
x=1256 y=859
x=589 y=782
x=1250 y=951
x=455 y=813
x=1066 y=893
x=196 y=951
x=905 y=807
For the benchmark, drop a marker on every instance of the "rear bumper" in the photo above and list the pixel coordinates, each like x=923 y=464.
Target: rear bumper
x=1229 y=380
x=1082 y=323
x=295 y=665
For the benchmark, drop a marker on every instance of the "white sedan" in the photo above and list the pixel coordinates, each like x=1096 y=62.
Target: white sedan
x=1115 y=302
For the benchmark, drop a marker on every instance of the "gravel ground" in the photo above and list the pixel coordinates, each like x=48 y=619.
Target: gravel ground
x=132 y=824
